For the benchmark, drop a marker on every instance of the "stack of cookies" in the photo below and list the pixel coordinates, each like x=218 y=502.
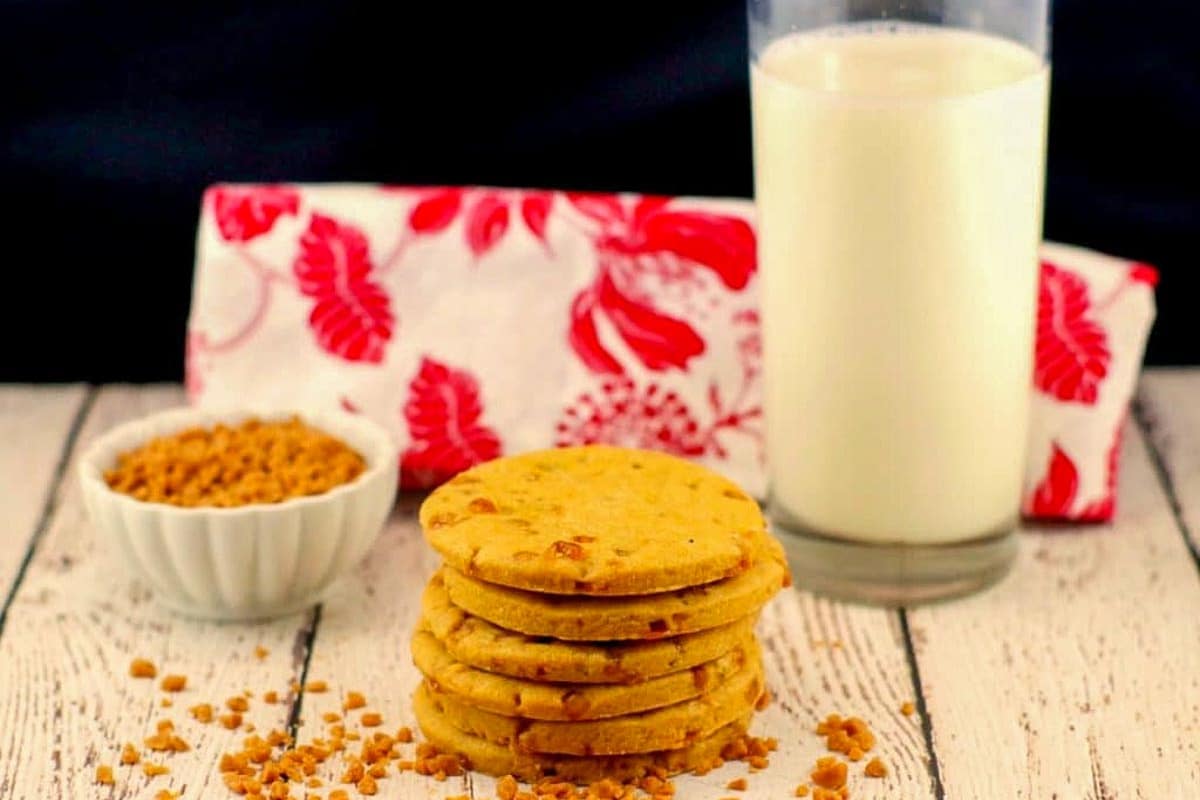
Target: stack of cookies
x=594 y=617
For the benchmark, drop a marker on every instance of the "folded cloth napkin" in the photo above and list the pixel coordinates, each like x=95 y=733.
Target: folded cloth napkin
x=473 y=322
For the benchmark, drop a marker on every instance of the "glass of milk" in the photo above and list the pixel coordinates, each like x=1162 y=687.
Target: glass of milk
x=899 y=151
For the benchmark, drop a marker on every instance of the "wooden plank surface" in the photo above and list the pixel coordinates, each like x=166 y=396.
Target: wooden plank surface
x=1169 y=408
x=67 y=702
x=34 y=423
x=822 y=657
x=1079 y=675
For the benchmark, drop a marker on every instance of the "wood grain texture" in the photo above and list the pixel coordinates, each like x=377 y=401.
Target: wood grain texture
x=1169 y=408
x=822 y=657
x=67 y=702
x=34 y=423
x=1079 y=675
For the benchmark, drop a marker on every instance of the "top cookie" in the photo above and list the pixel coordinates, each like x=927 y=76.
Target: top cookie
x=593 y=520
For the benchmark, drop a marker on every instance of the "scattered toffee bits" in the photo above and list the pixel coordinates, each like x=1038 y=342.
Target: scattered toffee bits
x=104 y=775
x=907 y=708
x=142 y=668
x=737 y=785
x=261 y=652
x=876 y=769
x=353 y=700
x=130 y=754
x=846 y=735
x=202 y=712
x=174 y=683
x=153 y=770
x=830 y=773
x=254 y=462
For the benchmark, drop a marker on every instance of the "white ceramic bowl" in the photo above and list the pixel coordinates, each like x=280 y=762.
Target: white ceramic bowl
x=248 y=562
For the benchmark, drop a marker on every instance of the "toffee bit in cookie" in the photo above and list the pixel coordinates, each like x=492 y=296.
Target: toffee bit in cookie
x=372 y=719
x=561 y=549
x=331 y=717
x=130 y=754
x=152 y=770
x=104 y=775
x=737 y=785
x=353 y=701
x=237 y=703
x=166 y=794
x=141 y=668
x=802 y=790
x=367 y=786
x=174 y=683
x=339 y=794
x=316 y=687
x=271 y=697
x=202 y=712
x=876 y=769
x=231 y=721
x=907 y=708
x=261 y=652
x=404 y=735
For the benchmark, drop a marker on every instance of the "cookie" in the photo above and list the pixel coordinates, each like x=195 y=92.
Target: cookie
x=478 y=643
x=593 y=520
x=515 y=697
x=593 y=619
x=495 y=759
x=667 y=728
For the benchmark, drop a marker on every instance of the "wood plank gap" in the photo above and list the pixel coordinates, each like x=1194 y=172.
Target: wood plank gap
x=1147 y=423
x=52 y=500
x=304 y=643
x=914 y=673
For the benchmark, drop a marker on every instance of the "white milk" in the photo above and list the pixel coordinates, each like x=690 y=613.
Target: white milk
x=899 y=182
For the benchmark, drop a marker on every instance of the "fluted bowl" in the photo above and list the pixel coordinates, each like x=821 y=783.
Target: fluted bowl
x=247 y=562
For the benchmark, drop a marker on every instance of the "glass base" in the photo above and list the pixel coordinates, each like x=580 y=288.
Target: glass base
x=892 y=574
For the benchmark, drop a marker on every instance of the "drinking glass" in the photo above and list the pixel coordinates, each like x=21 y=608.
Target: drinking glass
x=899 y=153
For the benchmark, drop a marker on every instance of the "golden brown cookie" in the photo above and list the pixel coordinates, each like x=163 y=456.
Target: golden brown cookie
x=516 y=697
x=477 y=642
x=495 y=759
x=667 y=728
x=653 y=616
x=593 y=520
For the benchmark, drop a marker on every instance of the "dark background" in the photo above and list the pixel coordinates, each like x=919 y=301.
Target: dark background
x=116 y=115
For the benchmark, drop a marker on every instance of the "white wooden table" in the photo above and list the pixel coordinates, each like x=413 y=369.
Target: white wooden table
x=1076 y=677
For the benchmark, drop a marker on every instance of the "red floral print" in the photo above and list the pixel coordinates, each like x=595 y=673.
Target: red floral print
x=622 y=413
x=486 y=223
x=352 y=315
x=443 y=414
x=244 y=212
x=1143 y=273
x=669 y=243
x=435 y=212
x=1072 y=349
x=486 y=217
x=535 y=211
x=1105 y=508
x=1055 y=495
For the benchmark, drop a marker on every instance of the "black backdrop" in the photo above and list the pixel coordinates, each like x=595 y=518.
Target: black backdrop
x=116 y=115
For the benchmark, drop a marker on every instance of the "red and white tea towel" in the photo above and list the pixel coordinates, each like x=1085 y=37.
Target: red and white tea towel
x=474 y=322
